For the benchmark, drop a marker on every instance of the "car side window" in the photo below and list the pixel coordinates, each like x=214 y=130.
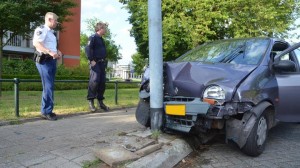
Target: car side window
x=297 y=53
x=285 y=57
x=291 y=56
x=277 y=48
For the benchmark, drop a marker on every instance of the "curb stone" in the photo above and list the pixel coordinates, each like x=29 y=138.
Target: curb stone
x=60 y=116
x=166 y=152
x=114 y=156
x=167 y=157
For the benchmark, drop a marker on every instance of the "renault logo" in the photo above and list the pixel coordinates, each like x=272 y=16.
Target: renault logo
x=176 y=90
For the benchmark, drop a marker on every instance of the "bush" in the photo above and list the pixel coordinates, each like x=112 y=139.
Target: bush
x=19 y=67
x=37 y=86
x=27 y=70
x=82 y=70
x=27 y=67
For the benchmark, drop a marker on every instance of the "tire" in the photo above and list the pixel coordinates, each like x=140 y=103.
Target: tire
x=142 y=113
x=256 y=141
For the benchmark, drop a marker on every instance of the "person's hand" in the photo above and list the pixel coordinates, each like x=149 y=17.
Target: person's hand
x=60 y=54
x=93 y=63
x=54 y=55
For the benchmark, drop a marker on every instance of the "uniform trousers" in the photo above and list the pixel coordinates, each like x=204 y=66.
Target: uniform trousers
x=47 y=70
x=96 y=87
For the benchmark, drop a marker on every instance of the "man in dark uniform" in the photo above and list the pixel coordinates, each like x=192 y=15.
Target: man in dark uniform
x=96 y=52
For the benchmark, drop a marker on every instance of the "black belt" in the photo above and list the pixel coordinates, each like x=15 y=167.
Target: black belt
x=100 y=60
x=47 y=57
x=40 y=57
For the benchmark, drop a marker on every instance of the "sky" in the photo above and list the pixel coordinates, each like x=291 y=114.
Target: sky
x=111 y=11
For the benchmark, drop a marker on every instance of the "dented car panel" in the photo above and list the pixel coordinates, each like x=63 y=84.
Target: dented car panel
x=189 y=80
x=239 y=130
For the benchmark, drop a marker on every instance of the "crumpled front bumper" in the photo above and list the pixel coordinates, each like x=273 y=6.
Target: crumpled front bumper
x=192 y=108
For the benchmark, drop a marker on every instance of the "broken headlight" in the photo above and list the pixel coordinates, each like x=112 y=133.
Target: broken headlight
x=214 y=94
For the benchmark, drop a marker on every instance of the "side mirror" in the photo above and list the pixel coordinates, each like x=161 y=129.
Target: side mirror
x=285 y=65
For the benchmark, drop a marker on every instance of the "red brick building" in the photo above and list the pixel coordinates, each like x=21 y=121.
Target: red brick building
x=69 y=39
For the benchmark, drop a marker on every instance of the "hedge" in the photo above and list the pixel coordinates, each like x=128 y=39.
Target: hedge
x=37 y=86
x=57 y=77
x=26 y=69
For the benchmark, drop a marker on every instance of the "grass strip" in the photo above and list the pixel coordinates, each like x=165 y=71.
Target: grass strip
x=66 y=102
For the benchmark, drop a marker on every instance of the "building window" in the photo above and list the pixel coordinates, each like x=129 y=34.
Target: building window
x=15 y=41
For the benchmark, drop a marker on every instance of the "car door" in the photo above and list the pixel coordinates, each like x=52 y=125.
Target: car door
x=288 y=81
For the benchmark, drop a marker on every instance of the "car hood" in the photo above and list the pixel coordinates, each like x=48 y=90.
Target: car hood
x=189 y=79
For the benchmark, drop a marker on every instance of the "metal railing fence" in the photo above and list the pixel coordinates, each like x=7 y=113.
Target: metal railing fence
x=17 y=82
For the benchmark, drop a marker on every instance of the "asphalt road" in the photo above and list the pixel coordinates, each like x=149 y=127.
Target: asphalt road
x=282 y=151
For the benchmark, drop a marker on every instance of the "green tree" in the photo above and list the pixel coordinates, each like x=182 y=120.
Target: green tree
x=112 y=49
x=21 y=17
x=139 y=63
x=188 y=23
x=83 y=42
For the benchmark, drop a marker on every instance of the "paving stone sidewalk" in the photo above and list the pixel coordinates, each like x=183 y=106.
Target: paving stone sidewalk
x=67 y=142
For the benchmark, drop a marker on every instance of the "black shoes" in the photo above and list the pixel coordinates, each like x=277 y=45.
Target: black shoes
x=92 y=106
x=51 y=116
x=103 y=106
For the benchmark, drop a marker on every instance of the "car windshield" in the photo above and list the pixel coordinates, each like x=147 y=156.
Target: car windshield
x=237 y=51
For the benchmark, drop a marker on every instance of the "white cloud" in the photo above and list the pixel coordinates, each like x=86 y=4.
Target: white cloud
x=125 y=31
x=110 y=9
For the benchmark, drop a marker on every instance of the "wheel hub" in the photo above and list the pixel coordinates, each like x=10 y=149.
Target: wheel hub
x=261 y=131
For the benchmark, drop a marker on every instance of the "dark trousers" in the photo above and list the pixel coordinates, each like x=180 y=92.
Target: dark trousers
x=47 y=70
x=97 y=80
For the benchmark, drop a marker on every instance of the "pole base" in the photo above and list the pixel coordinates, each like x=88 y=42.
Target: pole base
x=156 y=118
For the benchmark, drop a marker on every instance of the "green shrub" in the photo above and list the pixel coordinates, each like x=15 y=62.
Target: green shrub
x=37 y=86
x=82 y=70
x=12 y=76
x=27 y=70
x=28 y=67
x=19 y=67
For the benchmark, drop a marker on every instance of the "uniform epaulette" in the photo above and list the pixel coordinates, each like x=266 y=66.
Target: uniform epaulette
x=42 y=26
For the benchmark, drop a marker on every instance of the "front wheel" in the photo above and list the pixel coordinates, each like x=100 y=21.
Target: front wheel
x=256 y=141
x=142 y=113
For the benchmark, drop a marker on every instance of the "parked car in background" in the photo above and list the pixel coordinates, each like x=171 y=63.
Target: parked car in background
x=239 y=87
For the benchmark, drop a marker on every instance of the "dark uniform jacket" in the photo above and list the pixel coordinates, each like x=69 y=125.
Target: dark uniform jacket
x=95 y=49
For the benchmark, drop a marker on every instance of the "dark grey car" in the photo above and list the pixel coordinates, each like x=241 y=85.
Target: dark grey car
x=240 y=87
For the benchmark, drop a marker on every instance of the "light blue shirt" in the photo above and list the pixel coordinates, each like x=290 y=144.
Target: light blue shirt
x=44 y=35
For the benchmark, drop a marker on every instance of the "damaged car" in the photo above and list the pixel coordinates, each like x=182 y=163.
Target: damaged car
x=237 y=87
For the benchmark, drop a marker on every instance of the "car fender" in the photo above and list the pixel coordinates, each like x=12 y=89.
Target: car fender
x=144 y=89
x=143 y=94
x=239 y=130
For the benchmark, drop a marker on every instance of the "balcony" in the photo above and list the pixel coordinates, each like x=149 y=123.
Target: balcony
x=18 y=44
